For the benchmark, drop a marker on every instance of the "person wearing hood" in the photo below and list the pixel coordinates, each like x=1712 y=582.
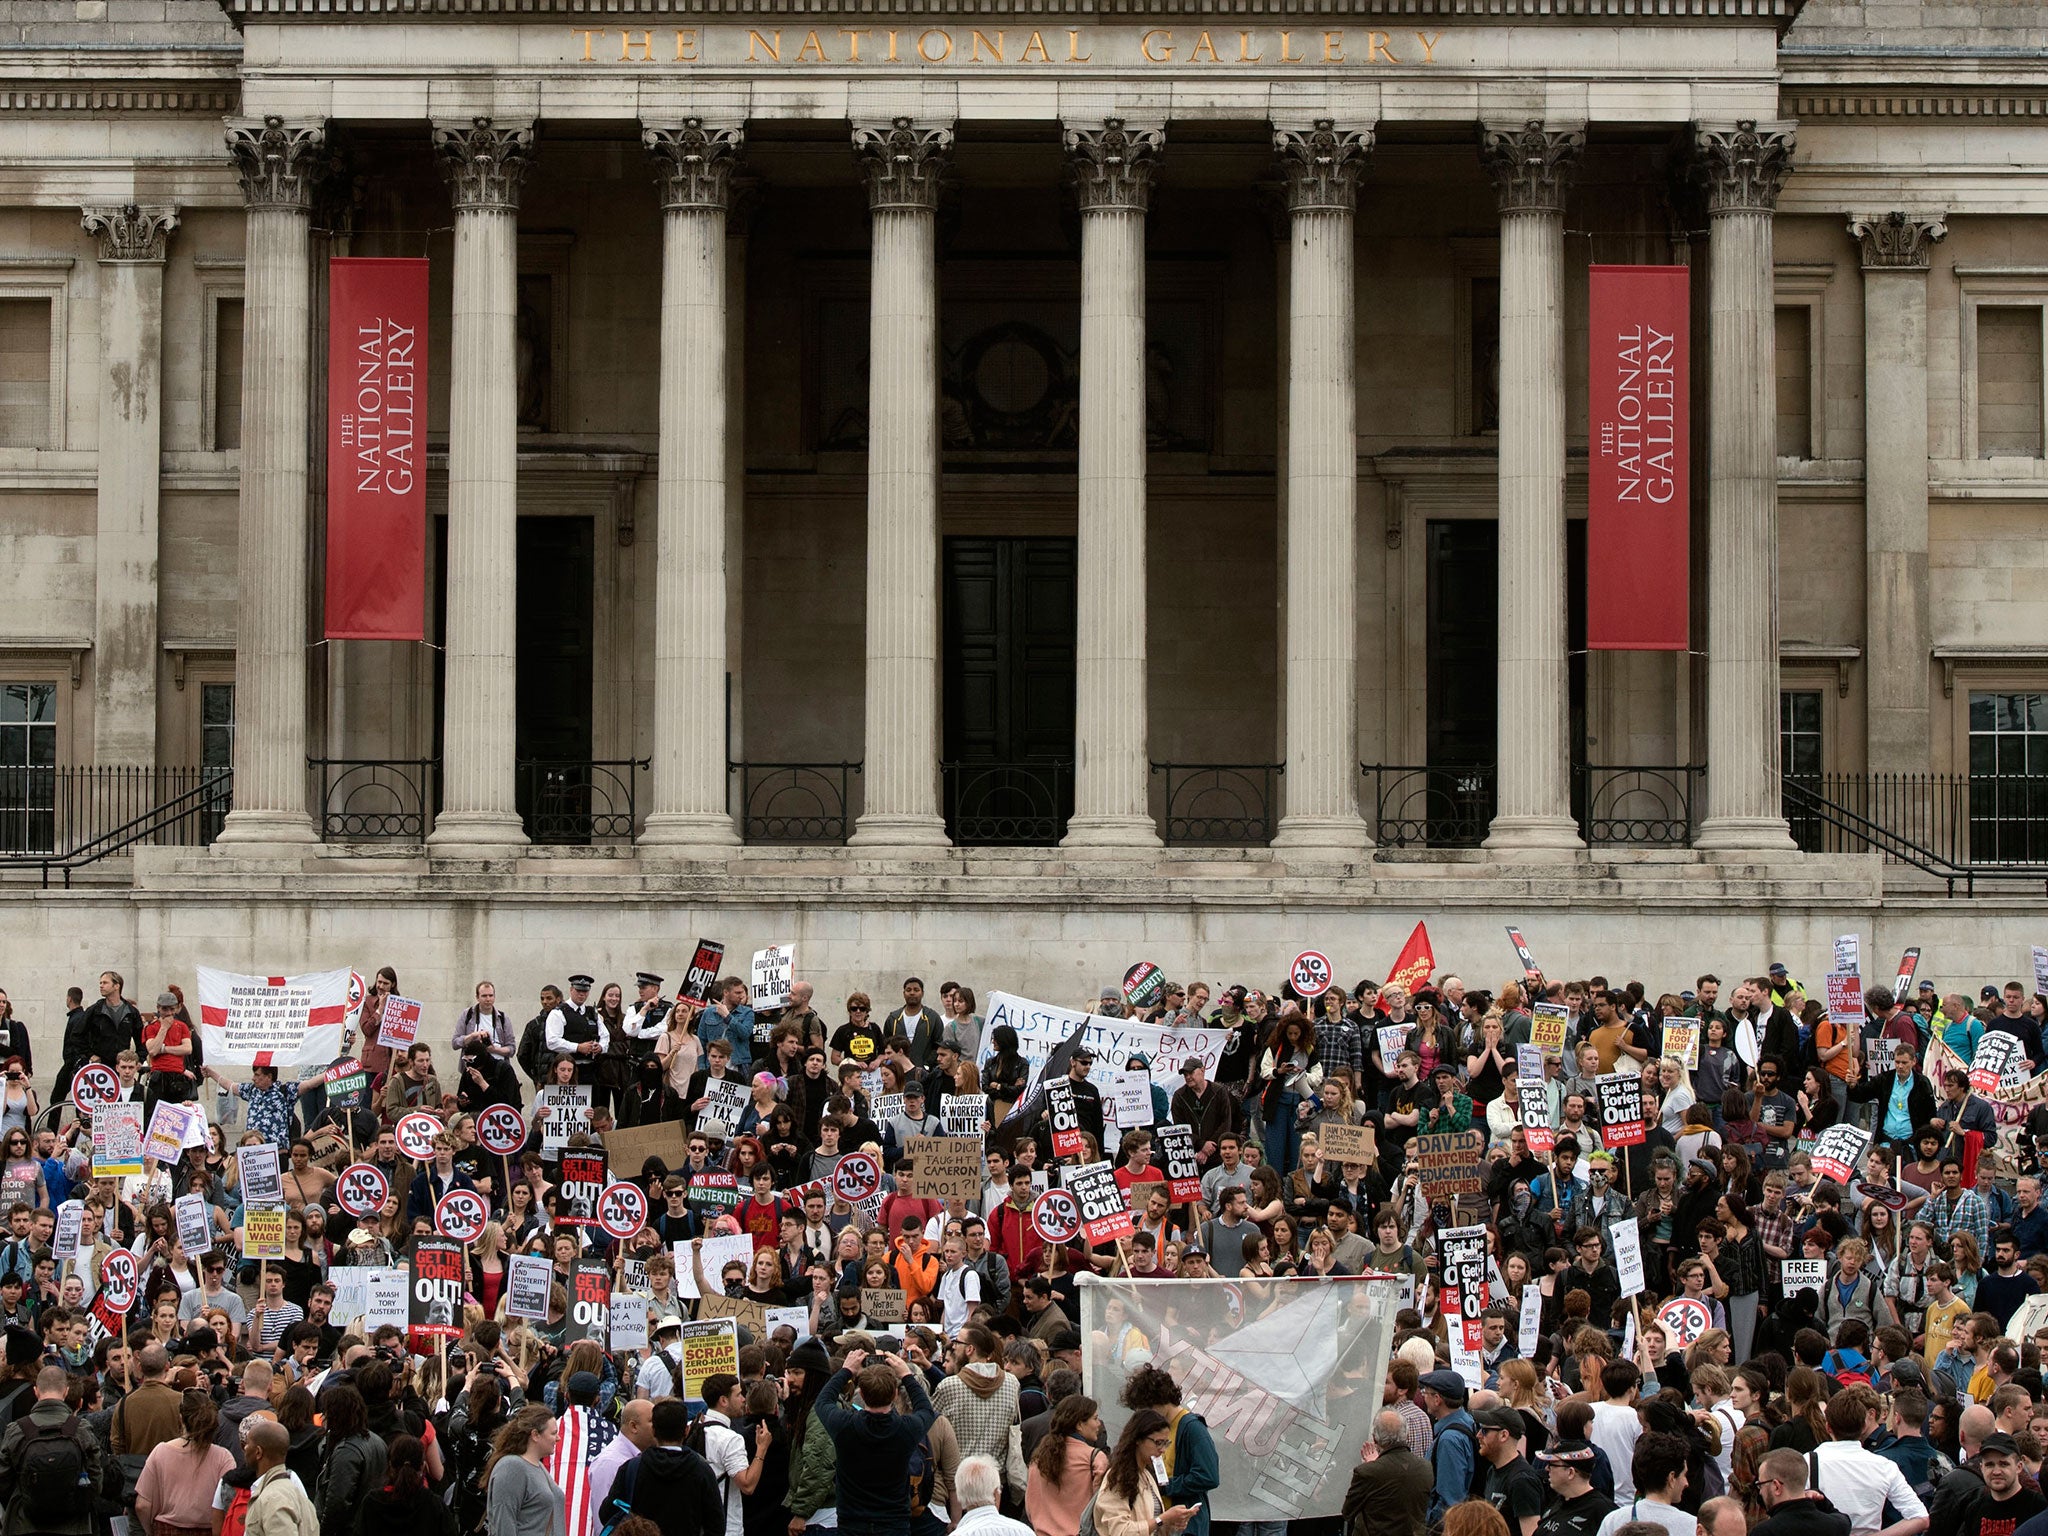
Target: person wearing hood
x=980 y=1402
x=874 y=1442
x=668 y=1482
x=1795 y=1510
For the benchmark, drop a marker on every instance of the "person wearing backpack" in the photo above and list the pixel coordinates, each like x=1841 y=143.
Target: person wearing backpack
x=50 y=1464
x=725 y=1449
x=875 y=1443
x=668 y=1483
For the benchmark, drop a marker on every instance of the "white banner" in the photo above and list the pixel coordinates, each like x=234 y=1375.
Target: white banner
x=1287 y=1376
x=271 y=1020
x=1042 y=1026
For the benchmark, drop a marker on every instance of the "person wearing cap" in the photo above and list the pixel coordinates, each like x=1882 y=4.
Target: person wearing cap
x=1861 y=1483
x=1087 y=1097
x=1454 y=1447
x=574 y=1029
x=1389 y=1490
x=1204 y=1107
x=1578 y=1508
x=1510 y=1485
x=913 y=1119
x=1452 y=1111
x=167 y=1042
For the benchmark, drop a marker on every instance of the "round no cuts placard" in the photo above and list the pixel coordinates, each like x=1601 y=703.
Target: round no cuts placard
x=94 y=1086
x=415 y=1134
x=1310 y=973
x=1057 y=1215
x=501 y=1130
x=621 y=1210
x=120 y=1281
x=855 y=1177
x=460 y=1216
x=362 y=1189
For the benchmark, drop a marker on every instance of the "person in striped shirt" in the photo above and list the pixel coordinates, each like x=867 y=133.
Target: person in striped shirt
x=272 y=1314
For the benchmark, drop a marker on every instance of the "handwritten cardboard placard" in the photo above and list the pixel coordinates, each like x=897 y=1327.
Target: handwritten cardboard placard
x=948 y=1167
x=1347 y=1143
x=1450 y=1163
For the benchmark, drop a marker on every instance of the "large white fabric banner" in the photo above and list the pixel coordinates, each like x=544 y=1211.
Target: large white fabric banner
x=271 y=1020
x=1043 y=1026
x=1287 y=1374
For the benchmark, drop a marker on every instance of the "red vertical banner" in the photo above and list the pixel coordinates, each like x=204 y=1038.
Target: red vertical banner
x=1638 y=522
x=376 y=448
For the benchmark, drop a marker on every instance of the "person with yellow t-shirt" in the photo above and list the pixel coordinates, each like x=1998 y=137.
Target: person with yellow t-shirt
x=1947 y=1333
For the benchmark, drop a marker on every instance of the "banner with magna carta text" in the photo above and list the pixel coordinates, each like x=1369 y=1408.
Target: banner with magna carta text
x=1287 y=1374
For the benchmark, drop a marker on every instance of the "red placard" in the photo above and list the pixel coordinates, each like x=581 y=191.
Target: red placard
x=1638 y=458
x=376 y=448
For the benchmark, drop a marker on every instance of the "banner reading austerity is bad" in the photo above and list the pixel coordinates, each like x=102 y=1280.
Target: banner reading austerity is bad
x=376 y=449
x=1637 y=423
x=271 y=1020
x=1043 y=1026
x=1286 y=1373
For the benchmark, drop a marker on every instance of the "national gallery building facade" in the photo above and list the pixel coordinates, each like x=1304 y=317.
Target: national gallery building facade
x=1014 y=489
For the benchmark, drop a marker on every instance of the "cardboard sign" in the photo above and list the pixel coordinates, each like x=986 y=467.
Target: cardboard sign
x=2001 y=1059
x=195 y=1226
x=1845 y=999
x=710 y=1347
x=702 y=975
x=948 y=1167
x=1533 y=1100
x=1065 y=1118
x=1848 y=952
x=771 y=976
x=884 y=1306
x=1310 y=973
x=1144 y=984
x=1105 y=1216
x=262 y=1181
x=964 y=1114
x=563 y=1112
x=629 y=1321
x=1683 y=1042
x=1621 y=1110
x=714 y=1191
x=590 y=1302
x=263 y=1233
x=361 y=1190
x=351 y=1284
x=434 y=1309
x=750 y=1315
x=725 y=1101
x=1628 y=1255
x=1804 y=1275
x=1450 y=1164
x=1530 y=970
x=166 y=1139
x=1838 y=1152
x=1547 y=1025
x=1346 y=1143
x=400 y=1025
x=1129 y=1099
x=2030 y=1319
x=528 y=1283
x=1176 y=1145
x=583 y=1179
x=713 y=1255
x=117 y=1141
x=1461 y=1253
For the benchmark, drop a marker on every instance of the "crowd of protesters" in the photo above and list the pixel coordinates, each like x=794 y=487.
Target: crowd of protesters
x=1895 y=1395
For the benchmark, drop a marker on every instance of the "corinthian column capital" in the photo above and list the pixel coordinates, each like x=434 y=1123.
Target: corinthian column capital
x=1531 y=165
x=278 y=162
x=1321 y=165
x=693 y=164
x=903 y=164
x=1744 y=166
x=1897 y=240
x=1112 y=165
x=483 y=163
x=130 y=233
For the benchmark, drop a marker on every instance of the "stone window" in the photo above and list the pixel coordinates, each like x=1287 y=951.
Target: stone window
x=28 y=766
x=25 y=352
x=2009 y=418
x=227 y=372
x=2009 y=775
x=1799 y=731
x=1795 y=381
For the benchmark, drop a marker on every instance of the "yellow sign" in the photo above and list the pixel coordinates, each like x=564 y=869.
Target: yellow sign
x=263 y=1234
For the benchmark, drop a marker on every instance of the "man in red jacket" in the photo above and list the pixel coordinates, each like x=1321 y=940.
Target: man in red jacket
x=1010 y=1231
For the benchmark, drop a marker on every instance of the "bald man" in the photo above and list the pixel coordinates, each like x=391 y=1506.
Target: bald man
x=1723 y=1517
x=1957 y=1493
x=1390 y=1488
x=278 y=1506
x=636 y=1434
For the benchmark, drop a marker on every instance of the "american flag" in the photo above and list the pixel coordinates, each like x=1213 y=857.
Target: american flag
x=575 y=1448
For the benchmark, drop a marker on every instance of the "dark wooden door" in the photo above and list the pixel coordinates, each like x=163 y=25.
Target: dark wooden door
x=556 y=624
x=1009 y=687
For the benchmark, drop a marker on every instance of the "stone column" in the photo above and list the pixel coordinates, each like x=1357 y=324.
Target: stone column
x=1321 y=166
x=1897 y=637
x=484 y=164
x=1530 y=166
x=693 y=165
x=278 y=164
x=903 y=165
x=124 y=652
x=1743 y=168
x=1112 y=169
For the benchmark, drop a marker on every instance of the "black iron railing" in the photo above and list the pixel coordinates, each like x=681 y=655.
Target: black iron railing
x=54 y=819
x=1637 y=806
x=1024 y=805
x=1229 y=805
x=573 y=801
x=365 y=799
x=1415 y=806
x=794 y=802
x=1961 y=828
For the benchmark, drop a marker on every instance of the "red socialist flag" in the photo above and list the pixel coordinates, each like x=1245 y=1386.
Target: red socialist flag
x=1638 y=523
x=1417 y=963
x=376 y=449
